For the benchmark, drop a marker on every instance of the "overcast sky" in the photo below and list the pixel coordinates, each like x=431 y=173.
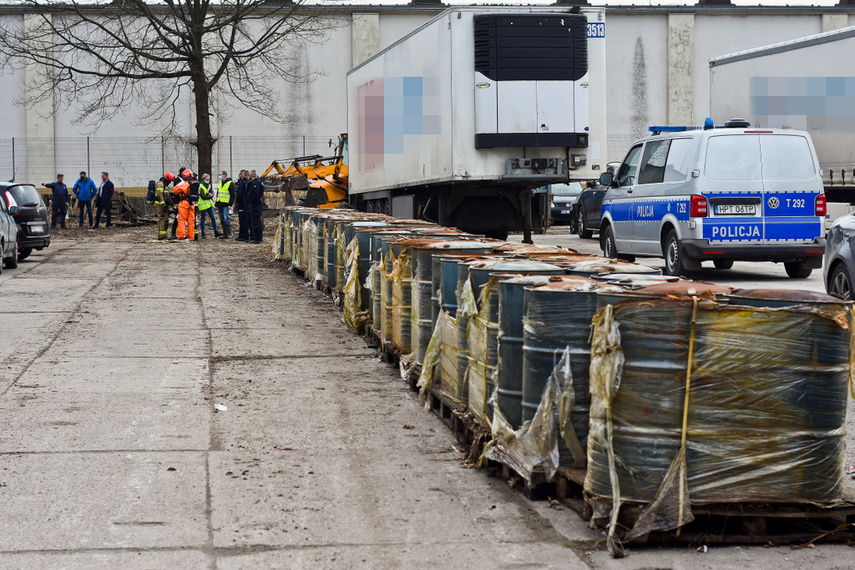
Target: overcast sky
x=614 y=2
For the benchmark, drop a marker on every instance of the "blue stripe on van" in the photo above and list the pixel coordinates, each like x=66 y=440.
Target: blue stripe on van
x=733 y=229
x=793 y=228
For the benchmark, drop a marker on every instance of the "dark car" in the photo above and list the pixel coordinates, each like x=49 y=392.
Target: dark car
x=561 y=202
x=586 y=211
x=8 y=238
x=31 y=217
x=839 y=266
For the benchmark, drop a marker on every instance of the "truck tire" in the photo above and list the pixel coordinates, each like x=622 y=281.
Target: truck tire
x=580 y=224
x=723 y=263
x=797 y=269
x=24 y=253
x=675 y=264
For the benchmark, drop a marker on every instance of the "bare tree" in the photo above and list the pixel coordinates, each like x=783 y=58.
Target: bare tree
x=105 y=59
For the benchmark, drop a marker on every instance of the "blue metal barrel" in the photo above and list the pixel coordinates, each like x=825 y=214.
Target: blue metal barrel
x=510 y=375
x=558 y=318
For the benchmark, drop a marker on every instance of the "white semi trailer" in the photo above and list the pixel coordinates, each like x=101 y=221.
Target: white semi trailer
x=460 y=120
x=806 y=84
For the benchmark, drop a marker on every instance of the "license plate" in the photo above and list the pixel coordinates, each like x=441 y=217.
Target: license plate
x=736 y=209
x=565 y=211
x=39 y=229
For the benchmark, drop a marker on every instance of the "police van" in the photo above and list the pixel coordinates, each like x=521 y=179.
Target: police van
x=720 y=194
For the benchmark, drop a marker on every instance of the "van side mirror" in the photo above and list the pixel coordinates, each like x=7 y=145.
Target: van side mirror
x=607 y=178
x=14 y=210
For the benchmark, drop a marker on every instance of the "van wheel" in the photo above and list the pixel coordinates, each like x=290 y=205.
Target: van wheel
x=580 y=224
x=723 y=263
x=675 y=263
x=608 y=243
x=12 y=260
x=797 y=269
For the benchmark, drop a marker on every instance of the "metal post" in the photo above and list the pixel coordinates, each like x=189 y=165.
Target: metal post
x=162 y=157
x=231 y=158
x=88 y=159
x=304 y=145
x=13 y=158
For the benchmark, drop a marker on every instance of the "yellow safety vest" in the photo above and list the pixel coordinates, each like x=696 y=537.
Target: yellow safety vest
x=223 y=194
x=203 y=203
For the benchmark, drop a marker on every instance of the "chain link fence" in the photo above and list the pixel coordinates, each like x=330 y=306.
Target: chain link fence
x=133 y=161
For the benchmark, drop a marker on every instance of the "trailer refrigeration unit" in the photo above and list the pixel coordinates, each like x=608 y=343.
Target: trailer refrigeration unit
x=460 y=120
x=806 y=84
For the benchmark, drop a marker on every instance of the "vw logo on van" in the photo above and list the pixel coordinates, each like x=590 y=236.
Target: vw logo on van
x=773 y=202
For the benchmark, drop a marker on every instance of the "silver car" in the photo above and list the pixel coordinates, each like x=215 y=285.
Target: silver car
x=840 y=258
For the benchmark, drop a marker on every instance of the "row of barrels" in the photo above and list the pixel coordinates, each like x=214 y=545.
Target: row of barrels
x=651 y=383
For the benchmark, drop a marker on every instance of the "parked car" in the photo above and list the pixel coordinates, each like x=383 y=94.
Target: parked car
x=588 y=205
x=562 y=197
x=839 y=267
x=718 y=194
x=8 y=237
x=31 y=217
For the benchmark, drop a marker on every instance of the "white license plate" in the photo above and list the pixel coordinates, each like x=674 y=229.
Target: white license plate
x=565 y=211
x=39 y=229
x=736 y=209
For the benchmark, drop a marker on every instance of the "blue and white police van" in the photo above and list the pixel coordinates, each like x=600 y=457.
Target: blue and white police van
x=720 y=194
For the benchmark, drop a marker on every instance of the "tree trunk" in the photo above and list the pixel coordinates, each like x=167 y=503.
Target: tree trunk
x=204 y=140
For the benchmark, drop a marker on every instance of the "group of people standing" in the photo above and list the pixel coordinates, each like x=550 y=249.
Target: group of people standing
x=181 y=195
x=85 y=191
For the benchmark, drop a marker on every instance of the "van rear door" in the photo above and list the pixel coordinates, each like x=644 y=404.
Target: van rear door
x=791 y=184
x=734 y=190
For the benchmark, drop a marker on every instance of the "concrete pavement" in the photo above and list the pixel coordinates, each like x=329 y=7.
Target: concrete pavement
x=117 y=354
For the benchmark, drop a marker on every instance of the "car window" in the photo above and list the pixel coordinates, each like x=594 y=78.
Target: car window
x=24 y=196
x=569 y=189
x=653 y=162
x=786 y=157
x=733 y=157
x=679 y=163
x=629 y=168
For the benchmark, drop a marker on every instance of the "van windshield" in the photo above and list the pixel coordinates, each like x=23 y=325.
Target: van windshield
x=768 y=157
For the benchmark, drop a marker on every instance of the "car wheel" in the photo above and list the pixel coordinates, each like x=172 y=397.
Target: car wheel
x=675 y=263
x=608 y=243
x=24 y=253
x=723 y=263
x=797 y=269
x=580 y=223
x=11 y=262
x=839 y=284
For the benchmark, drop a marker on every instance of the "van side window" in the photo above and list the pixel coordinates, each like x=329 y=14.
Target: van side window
x=678 y=165
x=629 y=168
x=653 y=162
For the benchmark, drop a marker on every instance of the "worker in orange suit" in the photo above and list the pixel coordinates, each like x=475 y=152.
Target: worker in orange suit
x=186 y=206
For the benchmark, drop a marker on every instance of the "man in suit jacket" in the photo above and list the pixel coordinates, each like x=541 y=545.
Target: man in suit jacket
x=104 y=200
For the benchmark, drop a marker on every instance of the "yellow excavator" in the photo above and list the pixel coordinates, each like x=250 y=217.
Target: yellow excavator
x=313 y=181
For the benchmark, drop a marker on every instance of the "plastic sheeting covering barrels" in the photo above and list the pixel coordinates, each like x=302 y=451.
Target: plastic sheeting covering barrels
x=728 y=403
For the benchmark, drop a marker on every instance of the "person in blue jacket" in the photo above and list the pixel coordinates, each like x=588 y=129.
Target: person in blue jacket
x=59 y=201
x=85 y=190
x=253 y=201
x=104 y=201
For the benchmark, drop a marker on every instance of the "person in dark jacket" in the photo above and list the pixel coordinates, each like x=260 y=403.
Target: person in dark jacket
x=253 y=199
x=59 y=201
x=104 y=200
x=85 y=190
x=240 y=206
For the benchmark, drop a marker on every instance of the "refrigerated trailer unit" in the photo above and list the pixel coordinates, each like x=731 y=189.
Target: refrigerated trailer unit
x=460 y=120
x=806 y=84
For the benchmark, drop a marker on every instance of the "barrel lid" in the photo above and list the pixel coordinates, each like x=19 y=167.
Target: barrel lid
x=642 y=279
x=598 y=266
x=575 y=283
x=685 y=289
x=515 y=265
x=785 y=295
